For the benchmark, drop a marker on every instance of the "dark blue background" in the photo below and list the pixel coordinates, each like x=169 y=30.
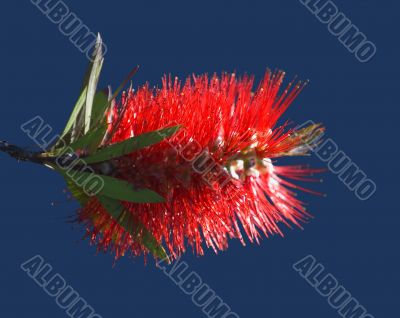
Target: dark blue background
x=40 y=74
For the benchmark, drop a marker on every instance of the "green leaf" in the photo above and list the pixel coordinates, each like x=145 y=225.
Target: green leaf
x=121 y=190
x=75 y=190
x=133 y=226
x=74 y=115
x=97 y=65
x=128 y=146
x=98 y=127
x=100 y=104
x=91 y=140
x=86 y=97
x=112 y=98
x=90 y=104
x=126 y=80
x=89 y=69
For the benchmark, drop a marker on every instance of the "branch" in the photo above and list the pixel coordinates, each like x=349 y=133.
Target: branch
x=21 y=154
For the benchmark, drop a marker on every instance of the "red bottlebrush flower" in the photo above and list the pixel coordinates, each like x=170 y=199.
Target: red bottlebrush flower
x=188 y=164
x=215 y=173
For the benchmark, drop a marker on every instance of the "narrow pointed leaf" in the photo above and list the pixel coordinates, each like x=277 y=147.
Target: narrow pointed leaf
x=128 y=146
x=121 y=190
x=133 y=226
x=100 y=105
x=98 y=126
x=75 y=121
x=93 y=81
x=91 y=140
x=75 y=190
x=126 y=80
x=112 y=100
x=78 y=107
x=89 y=69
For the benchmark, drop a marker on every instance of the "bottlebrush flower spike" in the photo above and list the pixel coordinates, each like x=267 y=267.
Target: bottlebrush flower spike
x=207 y=146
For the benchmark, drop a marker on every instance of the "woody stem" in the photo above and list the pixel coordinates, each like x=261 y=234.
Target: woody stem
x=21 y=154
x=64 y=161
